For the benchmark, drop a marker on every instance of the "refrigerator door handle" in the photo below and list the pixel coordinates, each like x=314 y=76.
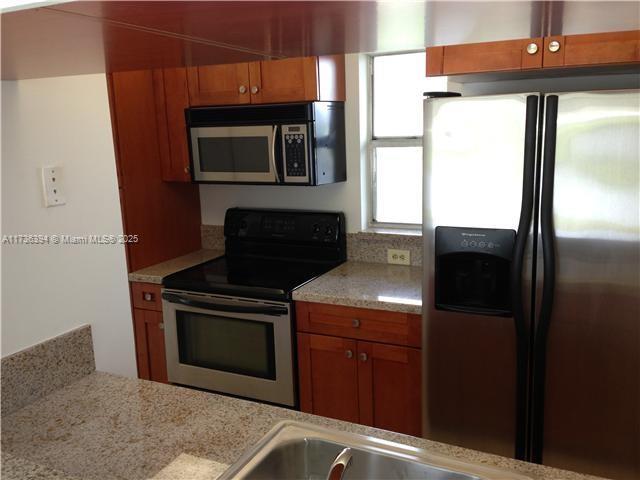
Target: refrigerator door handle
x=549 y=279
x=524 y=225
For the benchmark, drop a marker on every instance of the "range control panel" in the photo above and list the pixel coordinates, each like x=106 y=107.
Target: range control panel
x=291 y=225
x=294 y=146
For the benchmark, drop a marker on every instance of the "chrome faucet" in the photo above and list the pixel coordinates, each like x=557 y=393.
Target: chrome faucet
x=340 y=465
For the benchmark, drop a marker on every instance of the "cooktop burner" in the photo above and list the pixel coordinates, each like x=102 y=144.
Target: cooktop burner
x=270 y=253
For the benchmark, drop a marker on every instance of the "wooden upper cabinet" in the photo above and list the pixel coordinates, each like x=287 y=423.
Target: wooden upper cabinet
x=298 y=79
x=506 y=55
x=592 y=49
x=172 y=98
x=274 y=81
x=219 y=84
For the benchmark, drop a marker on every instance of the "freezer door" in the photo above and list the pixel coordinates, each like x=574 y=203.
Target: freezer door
x=591 y=395
x=474 y=164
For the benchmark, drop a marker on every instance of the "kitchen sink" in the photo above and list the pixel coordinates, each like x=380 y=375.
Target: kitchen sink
x=294 y=450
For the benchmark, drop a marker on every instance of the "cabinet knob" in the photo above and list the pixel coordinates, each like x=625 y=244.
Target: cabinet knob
x=532 y=48
x=355 y=323
x=364 y=357
x=554 y=46
x=348 y=354
x=254 y=89
x=242 y=89
x=187 y=169
x=161 y=326
x=148 y=296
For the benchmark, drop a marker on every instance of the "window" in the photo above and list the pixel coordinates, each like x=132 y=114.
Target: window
x=398 y=84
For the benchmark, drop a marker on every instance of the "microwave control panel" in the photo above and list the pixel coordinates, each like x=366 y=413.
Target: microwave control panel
x=294 y=147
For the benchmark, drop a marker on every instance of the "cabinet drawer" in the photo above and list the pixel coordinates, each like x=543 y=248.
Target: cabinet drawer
x=146 y=296
x=359 y=323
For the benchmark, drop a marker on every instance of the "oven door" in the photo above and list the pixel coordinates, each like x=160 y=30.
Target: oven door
x=243 y=154
x=233 y=345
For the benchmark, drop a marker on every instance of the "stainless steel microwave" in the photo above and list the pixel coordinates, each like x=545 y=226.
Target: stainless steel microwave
x=281 y=144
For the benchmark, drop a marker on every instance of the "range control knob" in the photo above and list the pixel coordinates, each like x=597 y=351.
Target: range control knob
x=329 y=230
x=316 y=228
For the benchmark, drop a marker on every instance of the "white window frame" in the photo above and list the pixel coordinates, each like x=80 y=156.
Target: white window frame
x=373 y=143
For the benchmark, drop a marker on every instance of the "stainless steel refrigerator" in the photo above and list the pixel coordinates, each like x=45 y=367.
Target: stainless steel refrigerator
x=531 y=301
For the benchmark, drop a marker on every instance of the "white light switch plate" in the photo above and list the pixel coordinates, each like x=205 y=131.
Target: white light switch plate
x=52 y=186
x=401 y=257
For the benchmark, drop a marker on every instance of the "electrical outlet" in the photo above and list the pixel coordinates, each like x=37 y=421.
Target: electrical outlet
x=401 y=257
x=52 y=186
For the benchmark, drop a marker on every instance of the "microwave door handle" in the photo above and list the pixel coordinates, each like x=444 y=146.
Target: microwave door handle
x=273 y=153
x=264 y=309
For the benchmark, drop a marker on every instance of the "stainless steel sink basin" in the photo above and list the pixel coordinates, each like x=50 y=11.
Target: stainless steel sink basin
x=294 y=450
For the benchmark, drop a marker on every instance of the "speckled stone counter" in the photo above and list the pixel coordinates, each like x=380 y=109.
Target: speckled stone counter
x=109 y=427
x=155 y=273
x=367 y=285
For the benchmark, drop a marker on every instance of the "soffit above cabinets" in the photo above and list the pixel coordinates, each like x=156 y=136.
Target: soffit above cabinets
x=105 y=36
x=91 y=37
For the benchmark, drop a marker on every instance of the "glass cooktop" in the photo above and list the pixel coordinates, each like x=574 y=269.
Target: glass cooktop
x=272 y=279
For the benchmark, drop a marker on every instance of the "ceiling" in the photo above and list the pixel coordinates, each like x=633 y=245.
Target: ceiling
x=90 y=37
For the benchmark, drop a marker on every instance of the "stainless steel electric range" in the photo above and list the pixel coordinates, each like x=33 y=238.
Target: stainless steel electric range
x=229 y=322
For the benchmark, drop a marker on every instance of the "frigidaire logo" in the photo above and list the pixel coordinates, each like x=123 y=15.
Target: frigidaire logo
x=473 y=234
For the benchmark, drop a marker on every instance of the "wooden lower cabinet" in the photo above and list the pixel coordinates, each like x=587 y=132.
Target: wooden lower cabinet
x=328 y=376
x=149 y=337
x=148 y=330
x=363 y=382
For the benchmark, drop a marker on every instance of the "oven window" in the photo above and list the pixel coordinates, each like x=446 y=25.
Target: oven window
x=234 y=154
x=226 y=344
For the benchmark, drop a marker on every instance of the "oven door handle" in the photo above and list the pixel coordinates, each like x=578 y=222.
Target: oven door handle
x=273 y=154
x=263 y=310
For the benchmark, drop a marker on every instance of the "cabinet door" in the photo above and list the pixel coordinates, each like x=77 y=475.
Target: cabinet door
x=219 y=84
x=389 y=387
x=172 y=98
x=592 y=49
x=328 y=374
x=522 y=54
x=288 y=80
x=150 y=351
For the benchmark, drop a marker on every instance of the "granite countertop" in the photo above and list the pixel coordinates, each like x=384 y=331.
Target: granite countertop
x=109 y=427
x=156 y=273
x=378 y=286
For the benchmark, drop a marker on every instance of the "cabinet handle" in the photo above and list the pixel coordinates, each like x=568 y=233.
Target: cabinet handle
x=364 y=357
x=532 y=48
x=348 y=354
x=254 y=89
x=554 y=46
x=242 y=89
x=355 y=323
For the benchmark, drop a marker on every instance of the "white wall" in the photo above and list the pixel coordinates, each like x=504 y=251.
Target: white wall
x=50 y=289
x=348 y=196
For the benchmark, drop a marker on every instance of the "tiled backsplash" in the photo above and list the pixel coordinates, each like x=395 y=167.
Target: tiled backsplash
x=36 y=371
x=361 y=246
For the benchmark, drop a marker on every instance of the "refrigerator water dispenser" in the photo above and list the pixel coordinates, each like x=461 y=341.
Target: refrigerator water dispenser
x=472 y=270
